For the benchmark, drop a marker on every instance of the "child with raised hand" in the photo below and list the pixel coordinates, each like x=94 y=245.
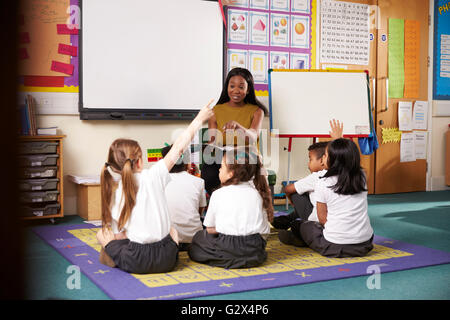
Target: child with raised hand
x=136 y=233
x=186 y=199
x=344 y=228
x=237 y=220
x=302 y=193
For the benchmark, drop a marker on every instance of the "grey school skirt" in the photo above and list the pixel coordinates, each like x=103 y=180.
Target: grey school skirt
x=226 y=251
x=133 y=257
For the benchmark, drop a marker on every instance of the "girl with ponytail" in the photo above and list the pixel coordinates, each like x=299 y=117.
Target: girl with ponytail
x=237 y=220
x=136 y=233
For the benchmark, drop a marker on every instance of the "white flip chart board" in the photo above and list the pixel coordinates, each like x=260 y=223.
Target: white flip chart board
x=303 y=101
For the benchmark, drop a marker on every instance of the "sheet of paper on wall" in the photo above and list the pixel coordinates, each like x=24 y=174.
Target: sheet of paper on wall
x=420 y=115
x=420 y=144
x=405 y=115
x=344 y=31
x=407 y=148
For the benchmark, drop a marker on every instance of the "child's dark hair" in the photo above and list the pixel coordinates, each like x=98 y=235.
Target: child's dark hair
x=344 y=162
x=250 y=97
x=318 y=148
x=245 y=164
x=180 y=166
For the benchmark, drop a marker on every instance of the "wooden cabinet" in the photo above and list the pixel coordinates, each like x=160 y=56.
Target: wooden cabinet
x=41 y=177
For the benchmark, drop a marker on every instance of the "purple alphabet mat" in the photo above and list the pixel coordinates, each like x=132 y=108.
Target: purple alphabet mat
x=285 y=266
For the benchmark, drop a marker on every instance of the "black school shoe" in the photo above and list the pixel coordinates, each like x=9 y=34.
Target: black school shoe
x=287 y=237
x=282 y=222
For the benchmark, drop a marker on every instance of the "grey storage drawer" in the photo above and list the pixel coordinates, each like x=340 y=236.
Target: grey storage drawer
x=40 y=210
x=38 y=160
x=45 y=196
x=39 y=172
x=38 y=184
x=37 y=147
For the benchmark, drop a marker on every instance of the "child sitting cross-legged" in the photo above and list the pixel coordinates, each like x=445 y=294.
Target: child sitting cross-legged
x=237 y=219
x=186 y=199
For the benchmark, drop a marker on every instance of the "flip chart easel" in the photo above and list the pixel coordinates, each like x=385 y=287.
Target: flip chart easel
x=302 y=102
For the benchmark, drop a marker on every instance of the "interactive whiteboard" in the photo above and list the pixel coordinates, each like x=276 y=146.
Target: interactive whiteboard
x=303 y=101
x=144 y=59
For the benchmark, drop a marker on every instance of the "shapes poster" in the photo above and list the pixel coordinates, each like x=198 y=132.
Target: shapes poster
x=276 y=34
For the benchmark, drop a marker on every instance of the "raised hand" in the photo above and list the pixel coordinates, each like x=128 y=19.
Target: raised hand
x=206 y=112
x=337 y=129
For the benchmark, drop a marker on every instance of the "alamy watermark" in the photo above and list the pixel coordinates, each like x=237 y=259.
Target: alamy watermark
x=74 y=280
x=374 y=281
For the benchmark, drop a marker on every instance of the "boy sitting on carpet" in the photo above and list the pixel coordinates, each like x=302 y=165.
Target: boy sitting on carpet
x=186 y=199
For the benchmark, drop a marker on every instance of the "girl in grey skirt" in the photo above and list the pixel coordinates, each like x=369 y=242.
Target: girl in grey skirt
x=237 y=220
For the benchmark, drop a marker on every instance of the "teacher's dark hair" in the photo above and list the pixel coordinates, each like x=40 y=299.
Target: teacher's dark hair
x=250 y=97
x=344 y=162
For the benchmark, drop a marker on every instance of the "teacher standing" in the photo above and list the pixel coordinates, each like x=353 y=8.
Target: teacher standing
x=238 y=114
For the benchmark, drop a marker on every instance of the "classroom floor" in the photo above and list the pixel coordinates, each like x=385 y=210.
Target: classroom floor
x=421 y=218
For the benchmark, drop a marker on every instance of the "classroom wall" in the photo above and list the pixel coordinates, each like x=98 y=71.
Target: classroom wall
x=86 y=145
x=438 y=147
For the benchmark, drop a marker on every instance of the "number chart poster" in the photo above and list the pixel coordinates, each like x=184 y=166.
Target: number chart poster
x=270 y=34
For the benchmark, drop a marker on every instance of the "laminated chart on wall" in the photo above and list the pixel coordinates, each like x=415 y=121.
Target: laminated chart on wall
x=48 y=46
x=344 y=33
x=154 y=155
x=441 y=44
x=412 y=54
x=263 y=35
x=396 y=58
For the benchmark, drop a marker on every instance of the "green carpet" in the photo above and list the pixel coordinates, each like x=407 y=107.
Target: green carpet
x=421 y=218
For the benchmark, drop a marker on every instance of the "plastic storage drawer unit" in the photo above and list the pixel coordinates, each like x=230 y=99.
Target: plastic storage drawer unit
x=45 y=196
x=40 y=210
x=37 y=147
x=39 y=172
x=38 y=184
x=38 y=160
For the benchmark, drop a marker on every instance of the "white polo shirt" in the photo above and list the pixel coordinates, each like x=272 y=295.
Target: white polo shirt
x=347 y=218
x=237 y=210
x=308 y=184
x=149 y=221
x=185 y=194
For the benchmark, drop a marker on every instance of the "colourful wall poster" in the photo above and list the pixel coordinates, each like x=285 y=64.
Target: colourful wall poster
x=441 y=61
x=300 y=32
x=279 y=60
x=290 y=43
x=259 y=28
x=237 y=26
x=396 y=57
x=237 y=59
x=412 y=54
x=259 y=66
x=279 y=35
x=259 y=4
x=49 y=26
x=299 y=61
